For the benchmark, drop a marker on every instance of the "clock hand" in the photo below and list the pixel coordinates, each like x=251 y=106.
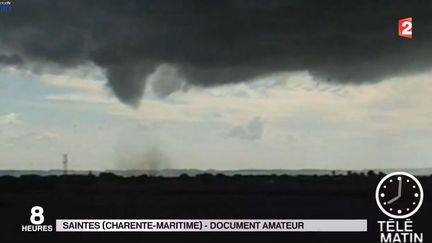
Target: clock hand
x=399 y=193
x=400 y=188
x=393 y=200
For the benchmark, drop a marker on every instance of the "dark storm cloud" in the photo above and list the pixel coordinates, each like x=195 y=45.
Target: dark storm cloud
x=10 y=59
x=216 y=42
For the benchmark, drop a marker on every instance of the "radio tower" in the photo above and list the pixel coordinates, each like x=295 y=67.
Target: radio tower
x=65 y=164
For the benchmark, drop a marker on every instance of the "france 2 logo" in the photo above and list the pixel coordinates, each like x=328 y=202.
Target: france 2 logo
x=405 y=27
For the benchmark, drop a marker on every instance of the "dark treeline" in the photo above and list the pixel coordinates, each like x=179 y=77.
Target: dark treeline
x=334 y=196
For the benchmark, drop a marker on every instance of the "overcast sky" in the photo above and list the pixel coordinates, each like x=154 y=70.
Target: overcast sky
x=283 y=121
x=214 y=85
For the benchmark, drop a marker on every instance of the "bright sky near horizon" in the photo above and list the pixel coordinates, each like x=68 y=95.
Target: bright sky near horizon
x=284 y=121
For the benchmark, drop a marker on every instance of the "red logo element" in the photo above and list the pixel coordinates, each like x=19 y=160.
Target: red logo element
x=405 y=27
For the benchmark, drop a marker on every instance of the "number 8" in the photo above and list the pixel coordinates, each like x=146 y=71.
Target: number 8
x=37 y=215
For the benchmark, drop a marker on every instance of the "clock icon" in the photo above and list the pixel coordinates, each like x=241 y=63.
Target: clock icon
x=399 y=195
